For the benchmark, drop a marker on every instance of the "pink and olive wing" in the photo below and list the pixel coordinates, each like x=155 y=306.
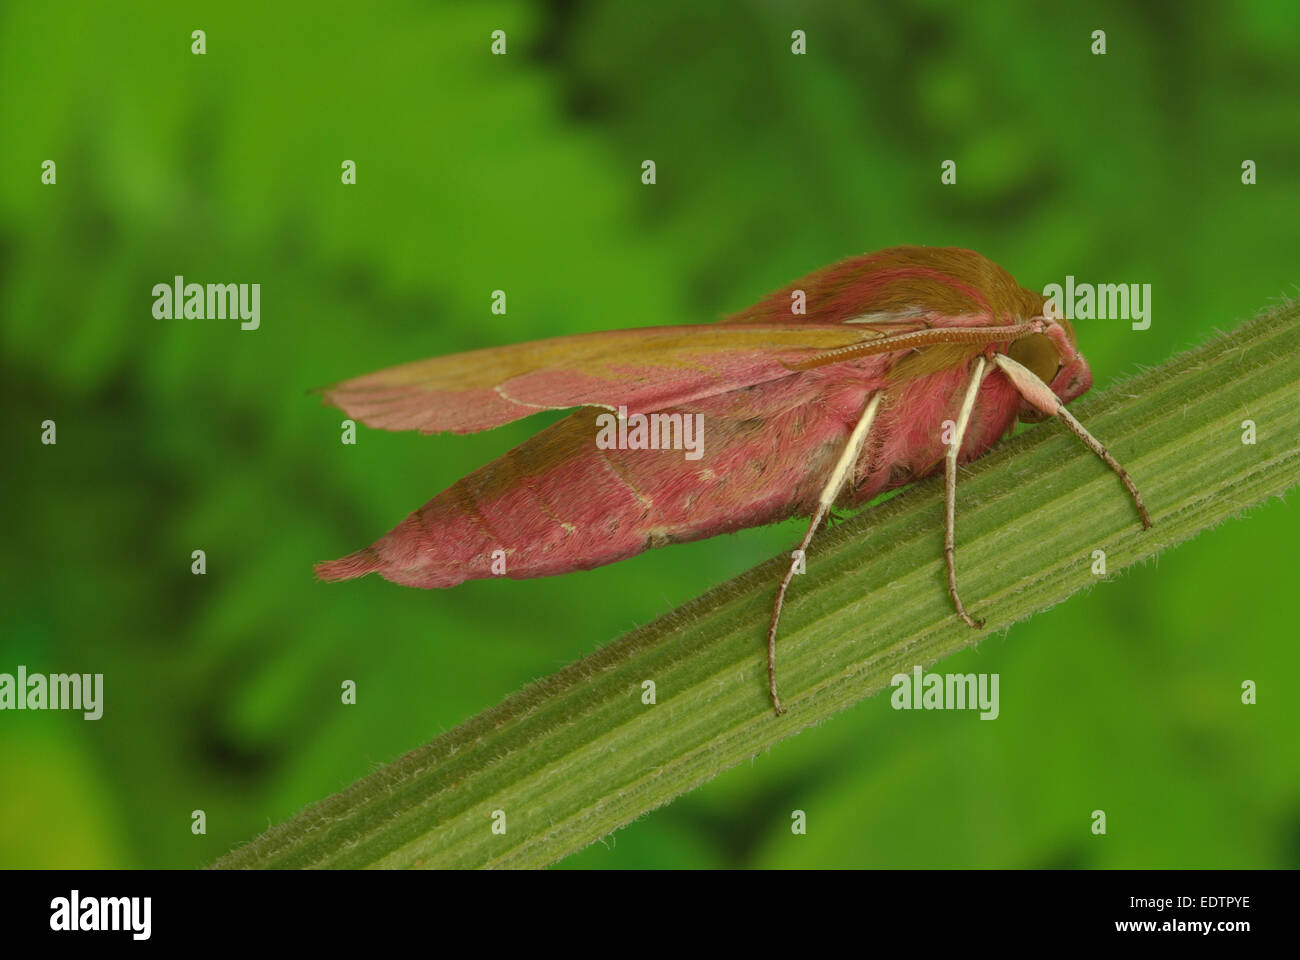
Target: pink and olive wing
x=558 y=502
x=644 y=370
x=899 y=283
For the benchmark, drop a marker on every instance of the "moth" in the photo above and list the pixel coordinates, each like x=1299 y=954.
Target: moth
x=858 y=378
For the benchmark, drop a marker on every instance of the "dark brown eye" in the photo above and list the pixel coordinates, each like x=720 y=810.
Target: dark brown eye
x=1039 y=354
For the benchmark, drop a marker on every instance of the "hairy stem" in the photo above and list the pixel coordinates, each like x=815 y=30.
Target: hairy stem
x=573 y=757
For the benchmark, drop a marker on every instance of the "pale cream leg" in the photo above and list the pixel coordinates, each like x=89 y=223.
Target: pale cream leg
x=843 y=467
x=1041 y=396
x=950 y=488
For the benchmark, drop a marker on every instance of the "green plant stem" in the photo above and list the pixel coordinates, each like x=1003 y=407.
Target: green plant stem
x=575 y=756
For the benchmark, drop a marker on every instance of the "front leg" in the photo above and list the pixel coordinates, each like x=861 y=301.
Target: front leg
x=1041 y=396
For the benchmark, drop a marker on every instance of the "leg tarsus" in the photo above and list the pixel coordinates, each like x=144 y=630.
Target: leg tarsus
x=1095 y=445
x=956 y=597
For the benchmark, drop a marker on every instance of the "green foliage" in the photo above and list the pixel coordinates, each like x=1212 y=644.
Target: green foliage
x=522 y=173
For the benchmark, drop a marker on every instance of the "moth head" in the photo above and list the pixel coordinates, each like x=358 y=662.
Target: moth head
x=1053 y=356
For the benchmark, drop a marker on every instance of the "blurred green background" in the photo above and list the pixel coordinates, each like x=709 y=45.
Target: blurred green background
x=478 y=172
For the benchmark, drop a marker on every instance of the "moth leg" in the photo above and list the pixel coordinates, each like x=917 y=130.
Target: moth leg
x=950 y=490
x=843 y=467
x=1041 y=396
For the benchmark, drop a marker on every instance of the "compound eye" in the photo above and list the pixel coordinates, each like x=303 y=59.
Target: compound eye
x=1039 y=354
